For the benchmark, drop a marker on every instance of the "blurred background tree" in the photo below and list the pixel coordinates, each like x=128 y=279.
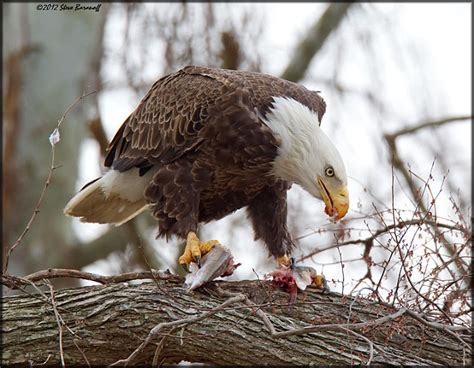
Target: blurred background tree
x=376 y=77
x=48 y=61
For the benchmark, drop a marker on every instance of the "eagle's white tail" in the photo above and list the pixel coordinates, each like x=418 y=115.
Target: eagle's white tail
x=115 y=198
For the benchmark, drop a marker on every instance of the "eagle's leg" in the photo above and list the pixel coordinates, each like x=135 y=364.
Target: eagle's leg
x=195 y=249
x=268 y=212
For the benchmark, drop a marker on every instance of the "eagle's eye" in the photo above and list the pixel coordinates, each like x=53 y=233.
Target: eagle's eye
x=329 y=171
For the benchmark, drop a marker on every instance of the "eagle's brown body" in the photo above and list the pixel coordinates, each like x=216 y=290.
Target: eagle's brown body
x=200 y=131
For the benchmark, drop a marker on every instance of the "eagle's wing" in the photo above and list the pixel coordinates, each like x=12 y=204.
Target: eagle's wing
x=170 y=119
x=261 y=88
x=166 y=124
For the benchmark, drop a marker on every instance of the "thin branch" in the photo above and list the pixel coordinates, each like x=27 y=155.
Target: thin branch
x=60 y=326
x=371 y=344
x=174 y=324
x=384 y=230
x=329 y=326
x=52 y=167
x=398 y=163
x=427 y=124
x=14 y=282
x=160 y=346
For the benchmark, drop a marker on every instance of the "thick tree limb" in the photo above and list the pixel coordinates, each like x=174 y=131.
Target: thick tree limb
x=220 y=324
x=314 y=40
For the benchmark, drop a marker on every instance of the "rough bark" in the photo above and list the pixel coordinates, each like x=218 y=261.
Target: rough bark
x=103 y=324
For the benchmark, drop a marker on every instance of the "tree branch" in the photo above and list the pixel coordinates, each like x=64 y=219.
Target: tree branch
x=139 y=324
x=370 y=239
x=14 y=282
x=54 y=139
x=314 y=40
x=426 y=124
x=398 y=164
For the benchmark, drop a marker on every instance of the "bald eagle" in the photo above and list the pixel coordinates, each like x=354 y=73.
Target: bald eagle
x=205 y=142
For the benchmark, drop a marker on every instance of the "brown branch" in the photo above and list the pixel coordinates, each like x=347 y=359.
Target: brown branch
x=230 y=53
x=427 y=124
x=98 y=132
x=330 y=326
x=58 y=321
x=382 y=320
x=14 y=282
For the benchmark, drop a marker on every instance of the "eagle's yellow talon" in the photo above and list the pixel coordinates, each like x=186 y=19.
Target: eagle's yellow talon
x=186 y=258
x=195 y=249
x=185 y=267
x=284 y=261
x=320 y=282
x=193 y=245
x=206 y=246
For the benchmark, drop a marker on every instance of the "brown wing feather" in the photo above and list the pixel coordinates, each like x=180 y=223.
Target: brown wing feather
x=165 y=125
x=262 y=88
x=169 y=120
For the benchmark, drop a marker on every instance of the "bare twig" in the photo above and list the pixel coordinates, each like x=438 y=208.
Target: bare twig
x=342 y=269
x=81 y=351
x=397 y=162
x=14 y=282
x=160 y=346
x=384 y=230
x=44 y=363
x=174 y=324
x=58 y=321
x=308 y=329
x=150 y=269
x=52 y=167
x=371 y=344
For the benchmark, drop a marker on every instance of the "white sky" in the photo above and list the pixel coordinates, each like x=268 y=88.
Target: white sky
x=440 y=33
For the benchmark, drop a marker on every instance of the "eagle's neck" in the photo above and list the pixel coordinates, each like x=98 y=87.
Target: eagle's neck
x=302 y=143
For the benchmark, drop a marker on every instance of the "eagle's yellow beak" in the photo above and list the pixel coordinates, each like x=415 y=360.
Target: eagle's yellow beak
x=336 y=199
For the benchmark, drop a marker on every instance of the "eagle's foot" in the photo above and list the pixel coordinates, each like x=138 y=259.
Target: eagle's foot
x=285 y=261
x=321 y=283
x=289 y=274
x=194 y=250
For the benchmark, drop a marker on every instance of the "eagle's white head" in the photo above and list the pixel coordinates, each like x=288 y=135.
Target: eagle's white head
x=306 y=156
